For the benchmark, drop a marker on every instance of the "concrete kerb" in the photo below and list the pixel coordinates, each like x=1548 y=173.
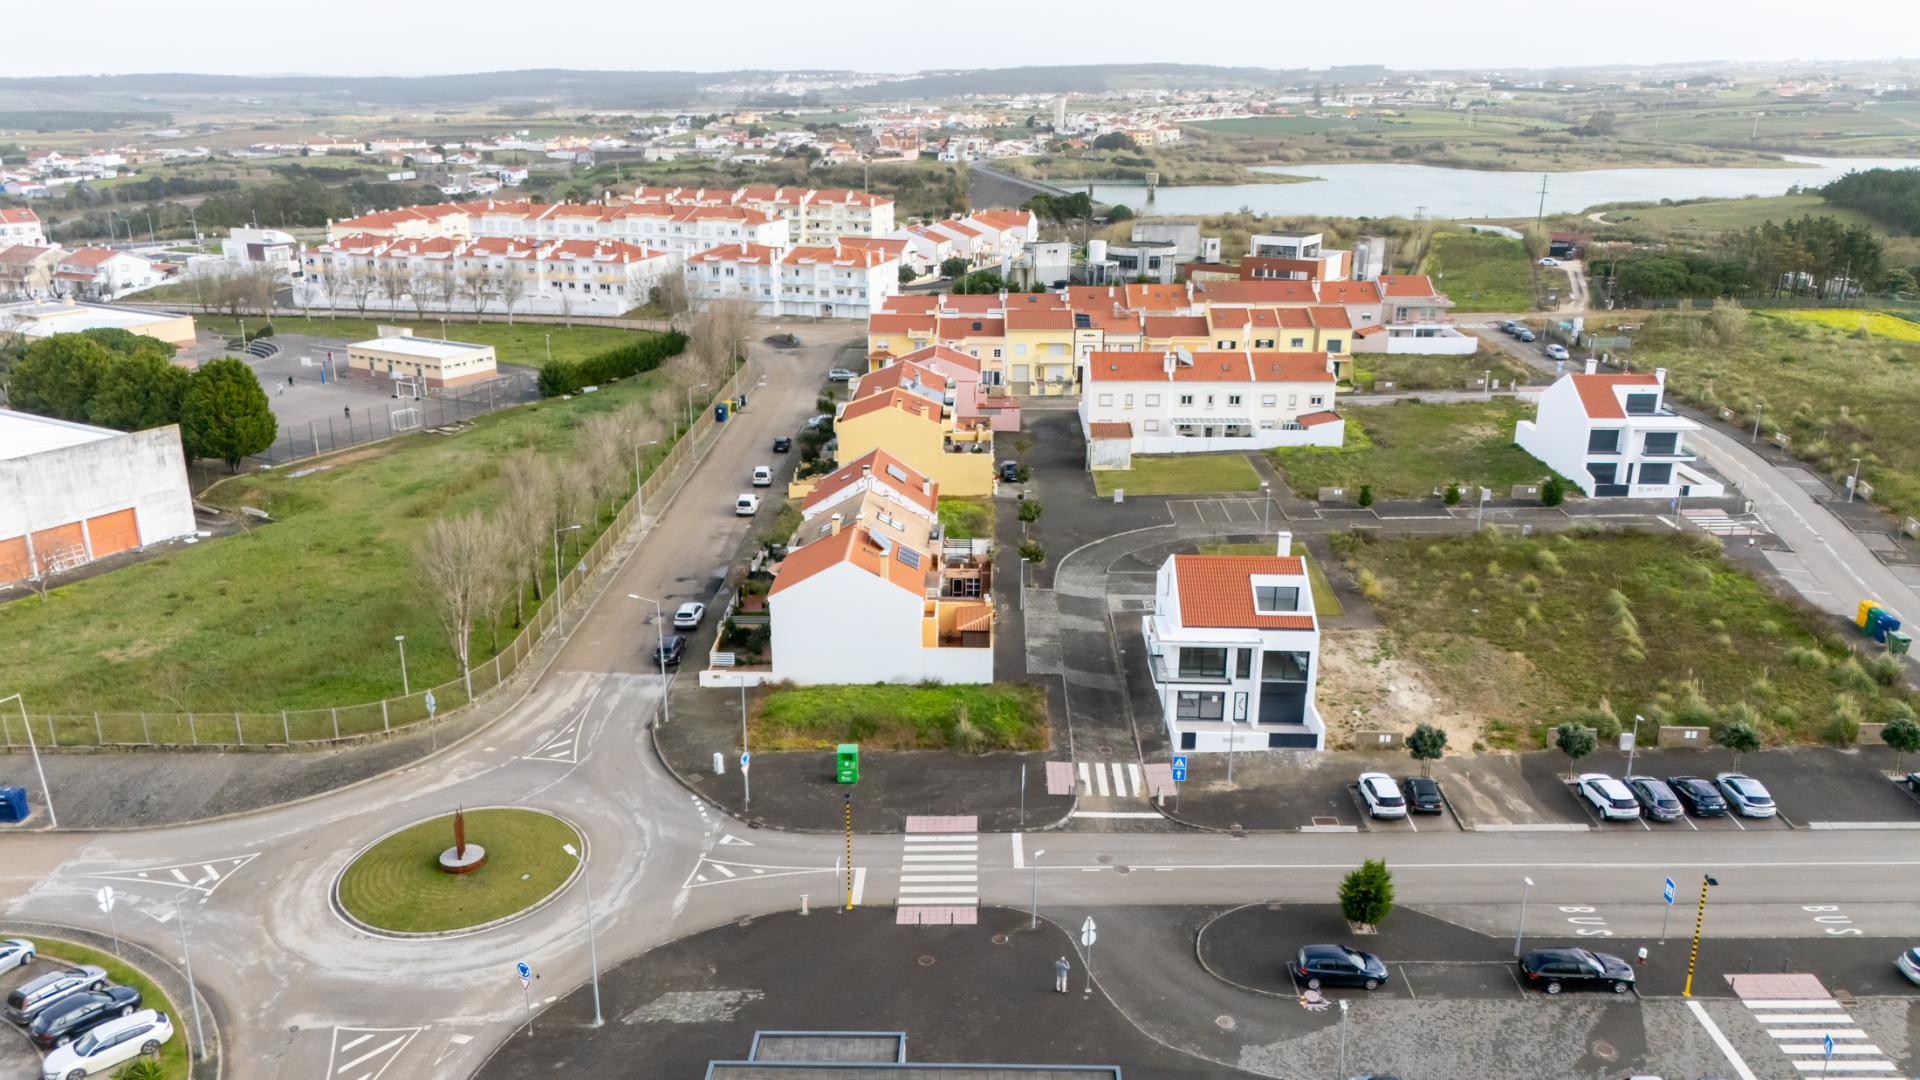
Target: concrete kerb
x=579 y=864
x=154 y=967
x=1200 y=936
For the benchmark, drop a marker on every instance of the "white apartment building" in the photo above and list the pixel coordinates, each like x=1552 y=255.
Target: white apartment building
x=1175 y=401
x=1614 y=436
x=839 y=281
x=247 y=246
x=491 y=274
x=736 y=271
x=21 y=227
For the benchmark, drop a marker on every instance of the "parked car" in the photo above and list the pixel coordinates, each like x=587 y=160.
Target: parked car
x=108 y=1045
x=1745 y=794
x=1523 y=334
x=1913 y=781
x=1009 y=471
x=15 y=952
x=782 y=444
x=671 y=650
x=1337 y=965
x=689 y=616
x=1610 y=797
x=1702 y=799
x=1909 y=964
x=791 y=341
x=1383 y=798
x=1557 y=352
x=1656 y=799
x=1423 y=795
x=76 y=1014
x=818 y=420
x=840 y=374
x=762 y=476
x=1549 y=262
x=746 y=505
x=1555 y=969
x=27 y=999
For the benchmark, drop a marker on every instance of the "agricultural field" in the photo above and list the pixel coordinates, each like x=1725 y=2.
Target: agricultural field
x=1411 y=449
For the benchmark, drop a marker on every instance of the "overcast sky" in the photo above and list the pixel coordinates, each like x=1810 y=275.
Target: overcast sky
x=380 y=37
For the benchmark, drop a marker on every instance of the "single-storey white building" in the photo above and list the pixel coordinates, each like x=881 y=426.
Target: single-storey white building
x=1233 y=647
x=1614 y=436
x=1176 y=401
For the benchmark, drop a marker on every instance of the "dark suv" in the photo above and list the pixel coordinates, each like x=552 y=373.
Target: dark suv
x=1554 y=969
x=1423 y=795
x=1337 y=965
x=72 y=1016
x=671 y=650
x=1700 y=796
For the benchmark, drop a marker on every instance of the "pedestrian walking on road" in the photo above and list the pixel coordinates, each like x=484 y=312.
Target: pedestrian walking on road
x=349 y=412
x=1060 y=969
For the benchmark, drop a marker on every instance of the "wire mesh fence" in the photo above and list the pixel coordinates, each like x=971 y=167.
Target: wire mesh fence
x=291 y=727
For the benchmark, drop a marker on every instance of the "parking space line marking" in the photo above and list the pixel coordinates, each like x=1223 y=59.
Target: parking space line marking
x=1409 y=981
x=860 y=890
x=357 y=1041
x=1019 y=857
x=1720 y=1040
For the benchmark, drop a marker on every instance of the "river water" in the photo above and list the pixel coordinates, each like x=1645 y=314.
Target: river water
x=1383 y=190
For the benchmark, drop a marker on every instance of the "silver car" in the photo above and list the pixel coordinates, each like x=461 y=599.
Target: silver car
x=27 y=1000
x=1746 y=795
x=15 y=952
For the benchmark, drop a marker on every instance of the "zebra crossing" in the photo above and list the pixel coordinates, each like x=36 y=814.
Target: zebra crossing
x=1721 y=523
x=1126 y=780
x=939 y=873
x=1801 y=1027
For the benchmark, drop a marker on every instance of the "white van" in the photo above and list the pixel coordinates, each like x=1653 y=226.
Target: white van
x=746 y=505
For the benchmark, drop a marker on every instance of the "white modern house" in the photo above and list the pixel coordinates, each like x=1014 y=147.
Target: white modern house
x=1233 y=647
x=246 y=245
x=1614 y=436
x=1175 y=401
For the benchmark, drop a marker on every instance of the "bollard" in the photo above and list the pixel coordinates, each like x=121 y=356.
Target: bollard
x=285 y=732
x=803 y=903
x=384 y=722
x=193 y=731
x=238 y=733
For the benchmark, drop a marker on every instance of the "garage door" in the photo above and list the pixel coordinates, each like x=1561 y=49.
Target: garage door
x=13 y=560
x=109 y=533
x=59 y=548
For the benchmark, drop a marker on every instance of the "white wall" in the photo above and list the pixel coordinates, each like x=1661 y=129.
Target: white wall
x=1558 y=433
x=145 y=470
x=843 y=625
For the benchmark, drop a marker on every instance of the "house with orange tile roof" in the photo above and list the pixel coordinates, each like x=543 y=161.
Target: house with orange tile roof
x=956 y=380
x=954 y=453
x=837 y=281
x=877 y=471
x=1416 y=319
x=21 y=227
x=1233 y=648
x=1614 y=437
x=102 y=274
x=1174 y=401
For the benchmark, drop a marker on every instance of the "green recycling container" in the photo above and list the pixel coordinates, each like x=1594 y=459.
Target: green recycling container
x=1899 y=641
x=847 y=762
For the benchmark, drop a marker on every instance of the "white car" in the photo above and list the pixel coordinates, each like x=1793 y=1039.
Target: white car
x=1610 y=798
x=1557 y=352
x=746 y=505
x=689 y=616
x=1909 y=965
x=108 y=1045
x=1549 y=262
x=15 y=952
x=762 y=476
x=1382 y=795
x=1745 y=794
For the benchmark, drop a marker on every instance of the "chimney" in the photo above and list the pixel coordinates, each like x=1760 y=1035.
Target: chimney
x=1593 y=365
x=1660 y=375
x=834 y=526
x=1283 y=545
x=926 y=486
x=866 y=470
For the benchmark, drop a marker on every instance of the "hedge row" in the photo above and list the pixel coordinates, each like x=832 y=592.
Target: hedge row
x=561 y=377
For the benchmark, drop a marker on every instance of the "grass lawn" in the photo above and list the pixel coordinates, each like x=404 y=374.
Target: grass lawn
x=967 y=519
x=301 y=612
x=1324 y=601
x=1482 y=272
x=1180 y=474
x=173 y=1053
x=1658 y=624
x=1408 y=449
x=1838 y=393
x=521 y=343
x=1006 y=716
x=398 y=883
x=1435 y=372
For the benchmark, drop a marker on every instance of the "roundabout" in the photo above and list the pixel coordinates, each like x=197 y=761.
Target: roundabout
x=435 y=878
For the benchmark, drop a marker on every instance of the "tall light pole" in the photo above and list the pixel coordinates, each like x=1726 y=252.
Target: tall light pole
x=1343 y=1038
x=559 y=609
x=406 y=689
x=659 y=653
x=193 y=993
x=1266 y=514
x=593 y=957
x=1757 y=410
x=1033 y=916
x=636 y=469
x=1523 y=915
x=52 y=820
x=690 y=391
x=1706 y=882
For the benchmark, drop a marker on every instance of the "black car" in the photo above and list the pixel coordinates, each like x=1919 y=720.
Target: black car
x=1423 y=795
x=70 y=1017
x=782 y=444
x=1913 y=781
x=1656 y=799
x=671 y=650
x=1700 y=796
x=1337 y=965
x=1009 y=471
x=1577 y=968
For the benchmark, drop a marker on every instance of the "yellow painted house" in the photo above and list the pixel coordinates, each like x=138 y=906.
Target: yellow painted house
x=911 y=429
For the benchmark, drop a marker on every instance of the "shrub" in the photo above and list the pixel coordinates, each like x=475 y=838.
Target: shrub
x=1903 y=735
x=1032 y=551
x=1843 y=722
x=1808 y=659
x=1547 y=562
x=1366 y=896
x=1885 y=669
x=1850 y=675
x=1452 y=496
x=1553 y=492
x=558 y=377
x=1029 y=510
x=1739 y=738
x=1366 y=495
x=1529 y=583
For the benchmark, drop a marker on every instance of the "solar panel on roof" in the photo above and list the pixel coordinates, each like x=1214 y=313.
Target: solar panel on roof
x=1082 y=320
x=908 y=556
x=897 y=473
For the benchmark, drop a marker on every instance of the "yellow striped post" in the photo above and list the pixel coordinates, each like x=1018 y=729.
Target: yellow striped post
x=1699 y=918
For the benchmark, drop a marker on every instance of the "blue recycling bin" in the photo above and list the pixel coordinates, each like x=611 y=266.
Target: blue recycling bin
x=13 y=804
x=722 y=411
x=1879 y=622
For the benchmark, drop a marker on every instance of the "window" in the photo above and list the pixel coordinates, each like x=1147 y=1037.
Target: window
x=1293 y=400
x=1333 y=344
x=1603 y=441
x=1266 y=425
x=1662 y=442
x=1153 y=400
x=1233 y=399
x=1153 y=425
x=1299 y=343
x=1263 y=343
x=1223 y=344
x=1642 y=404
x=1209 y=401
x=1106 y=399
x=1651 y=473
x=1243 y=666
x=1196 y=705
x=1019 y=350
x=1198 y=663
x=1602 y=474
x=1186 y=399
x=1284 y=666
x=1266 y=401
x=1275 y=598
x=1315 y=399
x=996 y=352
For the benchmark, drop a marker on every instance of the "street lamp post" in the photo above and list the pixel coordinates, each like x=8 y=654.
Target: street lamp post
x=1522 y=929
x=559 y=606
x=1343 y=1037
x=1634 y=746
x=1757 y=410
x=659 y=652
x=52 y=819
x=1023 y=583
x=593 y=956
x=193 y=993
x=1266 y=513
x=406 y=689
x=636 y=473
x=1033 y=914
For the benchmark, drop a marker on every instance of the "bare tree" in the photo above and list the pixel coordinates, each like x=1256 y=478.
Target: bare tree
x=477 y=286
x=360 y=286
x=303 y=291
x=261 y=284
x=526 y=500
x=458 y=564
x=511 y=287
x=335 y=283
x=393 y=283
x=566 y=302
x=602 y=442
x=669 y=296
x=420 y=289
x=446 y=285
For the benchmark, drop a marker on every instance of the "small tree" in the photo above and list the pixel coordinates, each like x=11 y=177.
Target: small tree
x=1032 y=551
x=1739 y=738
x=1030 y=510
x=1553 y=492
x=1574 y=741
x=1366 y=896
x=907 y=276
x=1904 y=736
x=224 y=413
x=1366 y=495
x=1452 y=495
x=1427 y=744
x=954 y=267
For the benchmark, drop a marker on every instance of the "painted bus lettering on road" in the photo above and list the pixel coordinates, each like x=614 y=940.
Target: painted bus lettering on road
x=1586 y=922
x=1830 y=919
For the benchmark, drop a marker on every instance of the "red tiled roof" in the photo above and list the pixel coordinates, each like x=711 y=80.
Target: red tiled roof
x=1287 y=367
x=1417 y=285
x=891 y=399
x=851 y=472
x=855 y=547
x=888 y=323
x=1315 y=419
x=1156 y=297
x=944 y=354
x=981 y=618
x=963 y=326
x=891 y=376
x=1171 y=326
x=1119 y=430
x=1349 y=292
x=1215 y=590
x=1597 y=397
x=916 y=304
x=1039 y=318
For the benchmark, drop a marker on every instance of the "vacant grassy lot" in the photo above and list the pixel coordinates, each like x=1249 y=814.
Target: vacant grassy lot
x=398 y=884
x=1839 y=392
x=1410 y=449
x=1180 y=474
x=173 y=1053
x=1853 y=320
x=1436 y=372
x=998 y=716
x=1706 y=221
x=1658 y=625
x=1324 y=601
x=522 y=343
x=967 y=519
x=1482 y=272
x=301 y=612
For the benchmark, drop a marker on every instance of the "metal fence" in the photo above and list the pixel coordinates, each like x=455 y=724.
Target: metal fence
x=237 y=729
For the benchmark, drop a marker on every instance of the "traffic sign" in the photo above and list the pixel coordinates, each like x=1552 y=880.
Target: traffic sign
x=1179 y=761
x=1669 y=891
x=745 y=758
x=430 y=707
x=1088 y=934
x=1827 y=1042
x=104 y=897
x=1179 y=773
x=525 y=973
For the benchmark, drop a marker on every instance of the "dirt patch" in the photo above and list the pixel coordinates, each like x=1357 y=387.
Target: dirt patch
x=1376 y=680
x=130 y=652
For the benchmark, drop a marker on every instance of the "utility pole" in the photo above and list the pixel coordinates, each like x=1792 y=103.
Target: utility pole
x=1542 y=211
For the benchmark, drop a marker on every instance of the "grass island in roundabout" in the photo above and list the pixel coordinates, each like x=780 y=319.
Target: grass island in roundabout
x=399 y=884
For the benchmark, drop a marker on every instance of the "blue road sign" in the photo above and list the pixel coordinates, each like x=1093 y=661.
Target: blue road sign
x=745 y=757
x=1669 y=891
x=1180 y=761
x=1179 y=774
x=523 y=970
